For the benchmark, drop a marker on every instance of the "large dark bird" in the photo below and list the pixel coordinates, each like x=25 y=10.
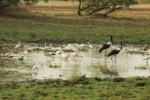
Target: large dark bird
x=115 y=51
x=106 y=45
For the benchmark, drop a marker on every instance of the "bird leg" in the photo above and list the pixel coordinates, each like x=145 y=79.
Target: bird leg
x=105 y=58
x=105 y=61
x=112 y=61
x=127 y=60
x=105 y=53
x=147 y=61
x=115 y=61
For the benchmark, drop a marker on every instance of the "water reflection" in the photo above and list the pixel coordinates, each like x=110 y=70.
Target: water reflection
x=43 y=62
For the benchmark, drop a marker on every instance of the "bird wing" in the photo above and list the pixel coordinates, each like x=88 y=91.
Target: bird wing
x=113 y=52
x=104 y=46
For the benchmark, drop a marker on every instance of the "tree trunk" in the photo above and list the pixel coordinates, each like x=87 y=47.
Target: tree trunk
x=79 y=8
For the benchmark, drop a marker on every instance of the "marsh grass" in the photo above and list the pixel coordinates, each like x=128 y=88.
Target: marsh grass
x=78 y=77
x=54 y=66
x=83 y=49
x=11 y=49
x=141 y=67
x=107 y=71
x=68 y=50
x=89 y=89
x=10 y=75
x=136 y=52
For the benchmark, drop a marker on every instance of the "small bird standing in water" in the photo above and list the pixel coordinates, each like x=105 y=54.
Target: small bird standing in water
x=90 y=46
x=18 y=45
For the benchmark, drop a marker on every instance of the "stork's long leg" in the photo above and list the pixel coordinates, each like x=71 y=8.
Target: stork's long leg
x=112 y=61
x=127 y=57
x=105 y=57
x=106 y=53
x=105 y=61
x=115 y=61
x=148 y=61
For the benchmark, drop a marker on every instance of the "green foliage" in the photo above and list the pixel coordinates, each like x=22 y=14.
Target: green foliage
x=104 y=7
x=7 y=3
x=29 y=2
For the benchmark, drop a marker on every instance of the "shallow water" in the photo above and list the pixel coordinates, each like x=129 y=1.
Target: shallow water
x=41 y=63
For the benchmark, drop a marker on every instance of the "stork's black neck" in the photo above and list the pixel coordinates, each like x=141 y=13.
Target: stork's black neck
x=121 y=46
x=111 y=39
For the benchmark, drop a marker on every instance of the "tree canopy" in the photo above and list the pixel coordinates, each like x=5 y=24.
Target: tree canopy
x=7 y=3
x=102 y=7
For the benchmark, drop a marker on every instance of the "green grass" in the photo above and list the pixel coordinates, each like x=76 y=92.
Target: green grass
x=82 y=89
x=70 y=31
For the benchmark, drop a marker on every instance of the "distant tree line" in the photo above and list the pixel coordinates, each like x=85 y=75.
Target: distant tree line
x=85 y=7
x=102 y=7
x=7 y=3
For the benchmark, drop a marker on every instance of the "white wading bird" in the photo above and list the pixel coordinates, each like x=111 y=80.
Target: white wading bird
x=18 y=45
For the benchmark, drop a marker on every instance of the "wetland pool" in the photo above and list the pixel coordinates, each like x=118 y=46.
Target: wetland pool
x=39 y=61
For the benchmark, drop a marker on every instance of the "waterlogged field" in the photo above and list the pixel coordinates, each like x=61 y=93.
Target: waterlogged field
x=72 y=60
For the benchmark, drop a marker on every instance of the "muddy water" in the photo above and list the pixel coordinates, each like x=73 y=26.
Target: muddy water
x=46 y=62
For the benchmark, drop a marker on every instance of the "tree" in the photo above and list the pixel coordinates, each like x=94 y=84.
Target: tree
x=102 y=7
x=79 y=8
x=7 y=3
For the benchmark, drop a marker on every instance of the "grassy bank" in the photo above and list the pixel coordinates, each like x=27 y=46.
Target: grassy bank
x=81 y=89
x=73 y=30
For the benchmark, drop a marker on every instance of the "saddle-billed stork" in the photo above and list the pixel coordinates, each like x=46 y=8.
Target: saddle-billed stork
x=106 y=45
x=115 y=51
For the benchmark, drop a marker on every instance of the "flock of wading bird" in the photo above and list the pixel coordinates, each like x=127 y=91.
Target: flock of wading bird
x=75 y=48
x=59 y=50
